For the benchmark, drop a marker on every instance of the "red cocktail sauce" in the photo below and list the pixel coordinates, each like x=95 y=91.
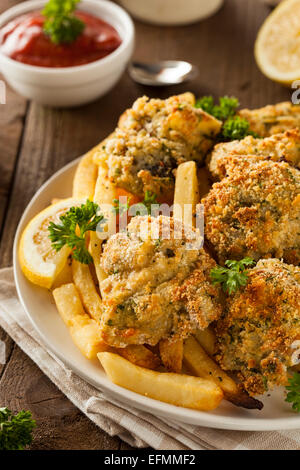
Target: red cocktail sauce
x=23 y=39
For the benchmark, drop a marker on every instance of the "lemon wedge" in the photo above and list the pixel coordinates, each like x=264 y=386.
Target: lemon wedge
x=277 y=47
x=39 y=262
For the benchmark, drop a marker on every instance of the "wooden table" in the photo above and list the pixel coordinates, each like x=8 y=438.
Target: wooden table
x=35 y=142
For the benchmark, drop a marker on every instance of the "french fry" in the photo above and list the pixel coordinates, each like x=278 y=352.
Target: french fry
x=177 y=389
x=202 y=365
x=207 y=339
x=186 y=196
x=84 y=331
x=171 y=354
x=140 y=355
x=90 y=298
x=105 y=193
x=65 y=276
x=85 y=176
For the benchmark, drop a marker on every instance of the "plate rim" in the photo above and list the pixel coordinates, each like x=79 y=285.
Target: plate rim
x=125 y=396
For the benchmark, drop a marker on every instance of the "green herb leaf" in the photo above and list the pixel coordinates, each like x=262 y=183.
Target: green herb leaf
x=293 y=395
x=233 y=276
x=81 y=219
x=61 y=24
x=236 y=128
x=15 y=430
x=226 y=108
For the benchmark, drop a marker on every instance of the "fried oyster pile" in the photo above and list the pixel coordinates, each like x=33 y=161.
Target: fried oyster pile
x=254 y=210
x=156 y=289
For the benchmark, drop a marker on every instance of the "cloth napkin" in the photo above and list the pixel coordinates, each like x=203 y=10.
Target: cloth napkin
x=137 y=428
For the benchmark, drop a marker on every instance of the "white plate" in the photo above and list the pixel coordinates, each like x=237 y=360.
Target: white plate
x=39 y=306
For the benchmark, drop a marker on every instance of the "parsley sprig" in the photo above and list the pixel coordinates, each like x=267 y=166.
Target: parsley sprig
x=61 y=23
x=234 y=127
x=233 y=276
x=15 y=430
x=293 y=388
x=226 y=108
x=73 y=229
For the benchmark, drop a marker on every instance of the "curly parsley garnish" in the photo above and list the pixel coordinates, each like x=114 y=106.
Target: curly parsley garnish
x=226 y=108
x=293 y=395
x=15 y=430
x=234 y=127
x=233 y=276
x=61 y=23
x=73 y=230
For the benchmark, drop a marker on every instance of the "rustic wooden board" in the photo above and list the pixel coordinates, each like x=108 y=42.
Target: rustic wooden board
x=36 y=141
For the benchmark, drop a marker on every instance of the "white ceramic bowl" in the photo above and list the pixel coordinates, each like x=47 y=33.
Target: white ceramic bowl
x=71 y=86
x=171 y=12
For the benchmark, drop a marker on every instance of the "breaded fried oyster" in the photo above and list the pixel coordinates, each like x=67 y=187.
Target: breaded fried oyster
x=279 y=147
x=272 y=119
x=174 y=121
x=256 y=334
x=255 y=211
x=157 y=288
x=153 y=138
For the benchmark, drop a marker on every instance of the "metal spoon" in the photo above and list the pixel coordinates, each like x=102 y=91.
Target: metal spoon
x=164 y=73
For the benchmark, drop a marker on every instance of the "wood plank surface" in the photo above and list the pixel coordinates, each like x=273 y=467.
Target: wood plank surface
x=35 y=142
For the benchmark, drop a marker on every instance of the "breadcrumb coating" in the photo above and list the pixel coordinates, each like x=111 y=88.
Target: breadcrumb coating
x=255 y=211
x=262 y=320
x=152 y=139
x=272 y=119
x=279 y=147
x=174 y=120
x=156 y=287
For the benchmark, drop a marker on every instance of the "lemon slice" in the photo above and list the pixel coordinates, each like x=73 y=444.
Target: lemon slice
x=277 y=47
x=38 y=260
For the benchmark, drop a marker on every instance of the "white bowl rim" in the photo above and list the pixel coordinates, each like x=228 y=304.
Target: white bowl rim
x=111 y=8
x=172 y=412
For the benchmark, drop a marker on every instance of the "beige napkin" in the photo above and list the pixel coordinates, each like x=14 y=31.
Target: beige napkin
x=137 y=428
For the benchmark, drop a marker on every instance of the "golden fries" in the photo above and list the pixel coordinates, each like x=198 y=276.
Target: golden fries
x=140 y=355
x=202 y=365
x=90 y=298
x=171 y=353
x=65 y=276
x=207 y=339
x=186 y=195
x=176 y=389
x=84 y=331
x=105 y=193
x=85 y=177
